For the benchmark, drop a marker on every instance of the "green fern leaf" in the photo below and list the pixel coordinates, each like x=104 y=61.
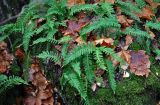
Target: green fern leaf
x=153 y=25
x=9 y=82
x=136 y=32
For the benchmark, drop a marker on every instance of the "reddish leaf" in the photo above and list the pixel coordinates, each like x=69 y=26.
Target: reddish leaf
x=5 y=58
x=140 y=63
x=146 y=13
x=111 y=1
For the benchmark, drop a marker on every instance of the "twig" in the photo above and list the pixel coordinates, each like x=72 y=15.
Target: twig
x=9 y=19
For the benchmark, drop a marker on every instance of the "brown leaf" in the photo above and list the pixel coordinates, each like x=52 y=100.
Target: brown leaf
x=5 y=58
x=79 y=40
x=140 y=63
x=75 y=2
x=111 y=1
x=146 y=13
x=152 y=3
x=124 y=21
x=73 y=27
x=129 y=40
x=108 y=42
x=20 y=54
x=40 y=92
x=152 y=34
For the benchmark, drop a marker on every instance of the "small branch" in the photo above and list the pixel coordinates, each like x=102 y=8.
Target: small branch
x=9 y=19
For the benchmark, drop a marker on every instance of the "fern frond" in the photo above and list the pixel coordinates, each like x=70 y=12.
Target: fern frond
x=153 y=25
x=83 y=7
x=50 y=55
x=100 y=23
x=76 y=68
x=111 y=75
x=9 y=82
x=99 y=58
x=107 y=8
x=141 y=3
x=79 y=51
x=111 y=52
x=75 y=81
x=136 y=32
x=29 y=32
x=89 y=68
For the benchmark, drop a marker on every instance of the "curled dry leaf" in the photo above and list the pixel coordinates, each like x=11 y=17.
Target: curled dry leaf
x=124 y=21
x=40 y=93
x=129 y=40
x=108 y=42
x=152 y=34
x=140 y=63
x=5 y=58
x=146 y=13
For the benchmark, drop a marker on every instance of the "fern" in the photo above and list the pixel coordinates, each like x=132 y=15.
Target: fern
x=9 y=82
x=28 y=33
x=111 y=75
x=100 y=23
x=83 y=7
x=75 y=81
x=107 y=8
x=78 y=51
x=111 y=52
x=153 y=25
x=136 y=32
x=99 y=58
x=50 y=55
x=141 y=3
x=89 y=68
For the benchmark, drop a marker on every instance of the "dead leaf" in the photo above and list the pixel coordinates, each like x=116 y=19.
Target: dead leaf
x=79 y=40
x=140 y=63
x=152 y=34
x=111 y=1
x=108 y=42
x=152 y=3
x=73 y=26
x=146 y=13
x=40 y=92
x=71 y=3
x=5 y=58
x=124 y=21
x=129 y=40
x=20 y=54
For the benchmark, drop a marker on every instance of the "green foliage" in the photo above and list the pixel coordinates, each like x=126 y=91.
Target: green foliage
x=153 y=25
x=136 y=32
x=9 y=82
x=79 y=62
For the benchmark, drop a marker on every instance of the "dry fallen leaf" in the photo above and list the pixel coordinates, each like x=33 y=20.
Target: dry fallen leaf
x=79 y=40
x=40 y=92
x=111 y=1
x=129 y=40
x=124 y=21
x=108 y=42
x=75 y=2
x=126 y=74
x=140 y=63
x=152 y=3
x=146 y=13
x=5 y=58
